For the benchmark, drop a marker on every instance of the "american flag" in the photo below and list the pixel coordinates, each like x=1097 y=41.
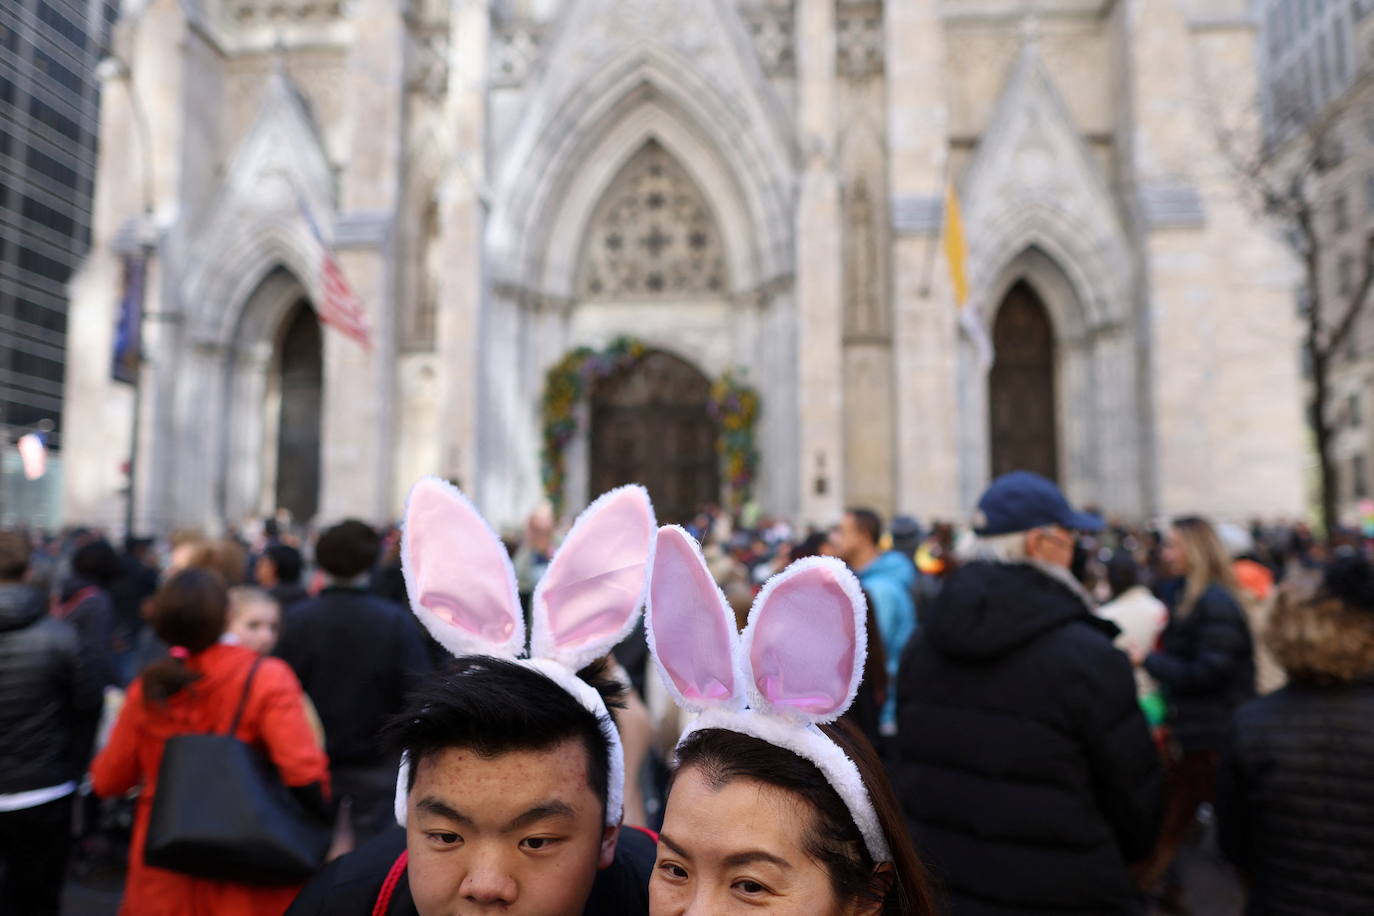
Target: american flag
x=338 y=307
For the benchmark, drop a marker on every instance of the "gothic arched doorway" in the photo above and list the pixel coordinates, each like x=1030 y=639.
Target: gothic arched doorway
x=301 y=365
x=1021 y=387
x=650 y=424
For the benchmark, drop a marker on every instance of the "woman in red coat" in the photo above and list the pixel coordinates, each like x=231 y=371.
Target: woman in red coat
x=197 y=689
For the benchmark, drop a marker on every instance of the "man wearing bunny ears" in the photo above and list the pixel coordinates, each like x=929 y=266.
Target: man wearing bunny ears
x=505 y=808
x=511 y=788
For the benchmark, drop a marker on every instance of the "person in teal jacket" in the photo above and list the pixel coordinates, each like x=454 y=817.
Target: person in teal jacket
x=887 y=578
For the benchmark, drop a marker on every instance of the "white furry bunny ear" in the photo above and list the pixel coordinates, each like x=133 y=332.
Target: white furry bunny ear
x=804 y=648
x=691 y=628
x=589 y=599
x=459 y=575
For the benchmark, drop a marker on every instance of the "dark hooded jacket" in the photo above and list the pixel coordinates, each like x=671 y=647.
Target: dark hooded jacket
x=1206 y=662
x=1025 y=766
x=46 y=685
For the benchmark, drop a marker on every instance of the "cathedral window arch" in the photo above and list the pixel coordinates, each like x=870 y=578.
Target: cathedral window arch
x=653 y=234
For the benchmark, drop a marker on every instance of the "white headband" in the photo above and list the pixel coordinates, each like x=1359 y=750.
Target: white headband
x=461 y=586
x=797 y=666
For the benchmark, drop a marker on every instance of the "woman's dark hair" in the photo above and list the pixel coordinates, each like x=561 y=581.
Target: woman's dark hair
x=188 y=612
x=97 y=562
x=832 y=838
x=493 y=706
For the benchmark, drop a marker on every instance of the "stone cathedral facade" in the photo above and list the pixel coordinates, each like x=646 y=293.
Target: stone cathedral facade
x=751 y=187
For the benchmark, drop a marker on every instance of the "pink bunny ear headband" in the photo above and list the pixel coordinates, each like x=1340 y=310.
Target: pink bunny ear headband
x=462 y=588
x=797 y=666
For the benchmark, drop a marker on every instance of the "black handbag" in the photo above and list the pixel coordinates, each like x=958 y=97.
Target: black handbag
x=222 y=812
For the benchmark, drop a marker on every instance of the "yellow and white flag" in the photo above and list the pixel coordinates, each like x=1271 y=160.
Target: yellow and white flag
x=956 y=253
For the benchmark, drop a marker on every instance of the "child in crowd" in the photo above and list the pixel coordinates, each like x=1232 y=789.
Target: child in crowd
x=255 y=623
x=254 y=619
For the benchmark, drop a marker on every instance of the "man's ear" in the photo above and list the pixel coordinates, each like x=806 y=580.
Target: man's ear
x=609 y=837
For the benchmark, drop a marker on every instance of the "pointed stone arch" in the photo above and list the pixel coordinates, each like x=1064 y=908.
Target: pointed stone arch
x=743 y=165
x=1033 y=184
x=250 y=262
x=1039 y=211
x=653 y=233
x=256 y=221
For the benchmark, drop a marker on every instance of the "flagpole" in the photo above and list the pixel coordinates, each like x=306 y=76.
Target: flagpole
x=115 y=67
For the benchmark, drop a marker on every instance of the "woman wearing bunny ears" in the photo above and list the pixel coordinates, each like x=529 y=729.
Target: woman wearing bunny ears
x=512 y=782
x=773 y=806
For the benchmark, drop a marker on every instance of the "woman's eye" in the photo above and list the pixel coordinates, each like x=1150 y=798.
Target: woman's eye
x=752 y=888
x=673 y=871
x=440 y=838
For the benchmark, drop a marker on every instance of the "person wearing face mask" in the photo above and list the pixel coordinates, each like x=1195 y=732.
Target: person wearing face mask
x=1024 y=763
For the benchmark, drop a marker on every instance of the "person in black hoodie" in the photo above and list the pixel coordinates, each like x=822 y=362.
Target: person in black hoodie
x=1295 y=794
x=356 y=655
x=46 y=684
x=1206 y=664
x=1023 y=761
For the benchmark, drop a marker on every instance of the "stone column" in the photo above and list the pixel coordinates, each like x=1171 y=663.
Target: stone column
x=359 y=410
x=462 y=223
x=819 y=275
x=925 y=340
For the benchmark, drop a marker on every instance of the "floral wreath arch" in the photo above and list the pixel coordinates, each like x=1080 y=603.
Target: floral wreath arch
x=734 y=406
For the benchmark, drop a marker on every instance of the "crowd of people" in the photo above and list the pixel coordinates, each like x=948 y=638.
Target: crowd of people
x=1048 y=707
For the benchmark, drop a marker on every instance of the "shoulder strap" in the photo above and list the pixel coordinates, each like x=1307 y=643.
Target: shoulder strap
x=243 y=700
x=393 y=878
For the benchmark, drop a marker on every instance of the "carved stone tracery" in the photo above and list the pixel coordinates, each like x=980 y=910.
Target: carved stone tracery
x=266 y=12
x=772 y=29
x=859 y=40
x=515 y=48
x=652 y=234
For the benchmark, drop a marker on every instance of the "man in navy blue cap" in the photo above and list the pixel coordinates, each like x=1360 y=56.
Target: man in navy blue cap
x=1024 y=763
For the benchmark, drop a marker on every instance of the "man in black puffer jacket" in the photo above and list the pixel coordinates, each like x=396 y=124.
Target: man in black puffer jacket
x=46 y=683
x=1024 y=762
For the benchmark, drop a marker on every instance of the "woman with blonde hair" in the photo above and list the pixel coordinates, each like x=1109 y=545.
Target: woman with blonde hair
x=1295 y=798
x=1206 y=664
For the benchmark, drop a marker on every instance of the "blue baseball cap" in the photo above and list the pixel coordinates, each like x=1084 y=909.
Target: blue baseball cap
x=1022 y=501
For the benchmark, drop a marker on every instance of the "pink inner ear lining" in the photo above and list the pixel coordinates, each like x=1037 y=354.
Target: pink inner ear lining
x=595 y=583
x=452 y=612
x=715 y=690
x=805 y=644
x=692 y=640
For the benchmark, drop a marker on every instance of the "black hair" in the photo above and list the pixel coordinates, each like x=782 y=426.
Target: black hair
x=1350 y=578
x=1123 y=573
x=97 y=562
x=494 y=706
x=869 y=522
x=349 y=549
x=808 y=546
x=831 y=838
x=286 y=560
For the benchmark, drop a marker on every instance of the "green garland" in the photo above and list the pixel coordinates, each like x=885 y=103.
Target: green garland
x=564 y=385
x=734 y=406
